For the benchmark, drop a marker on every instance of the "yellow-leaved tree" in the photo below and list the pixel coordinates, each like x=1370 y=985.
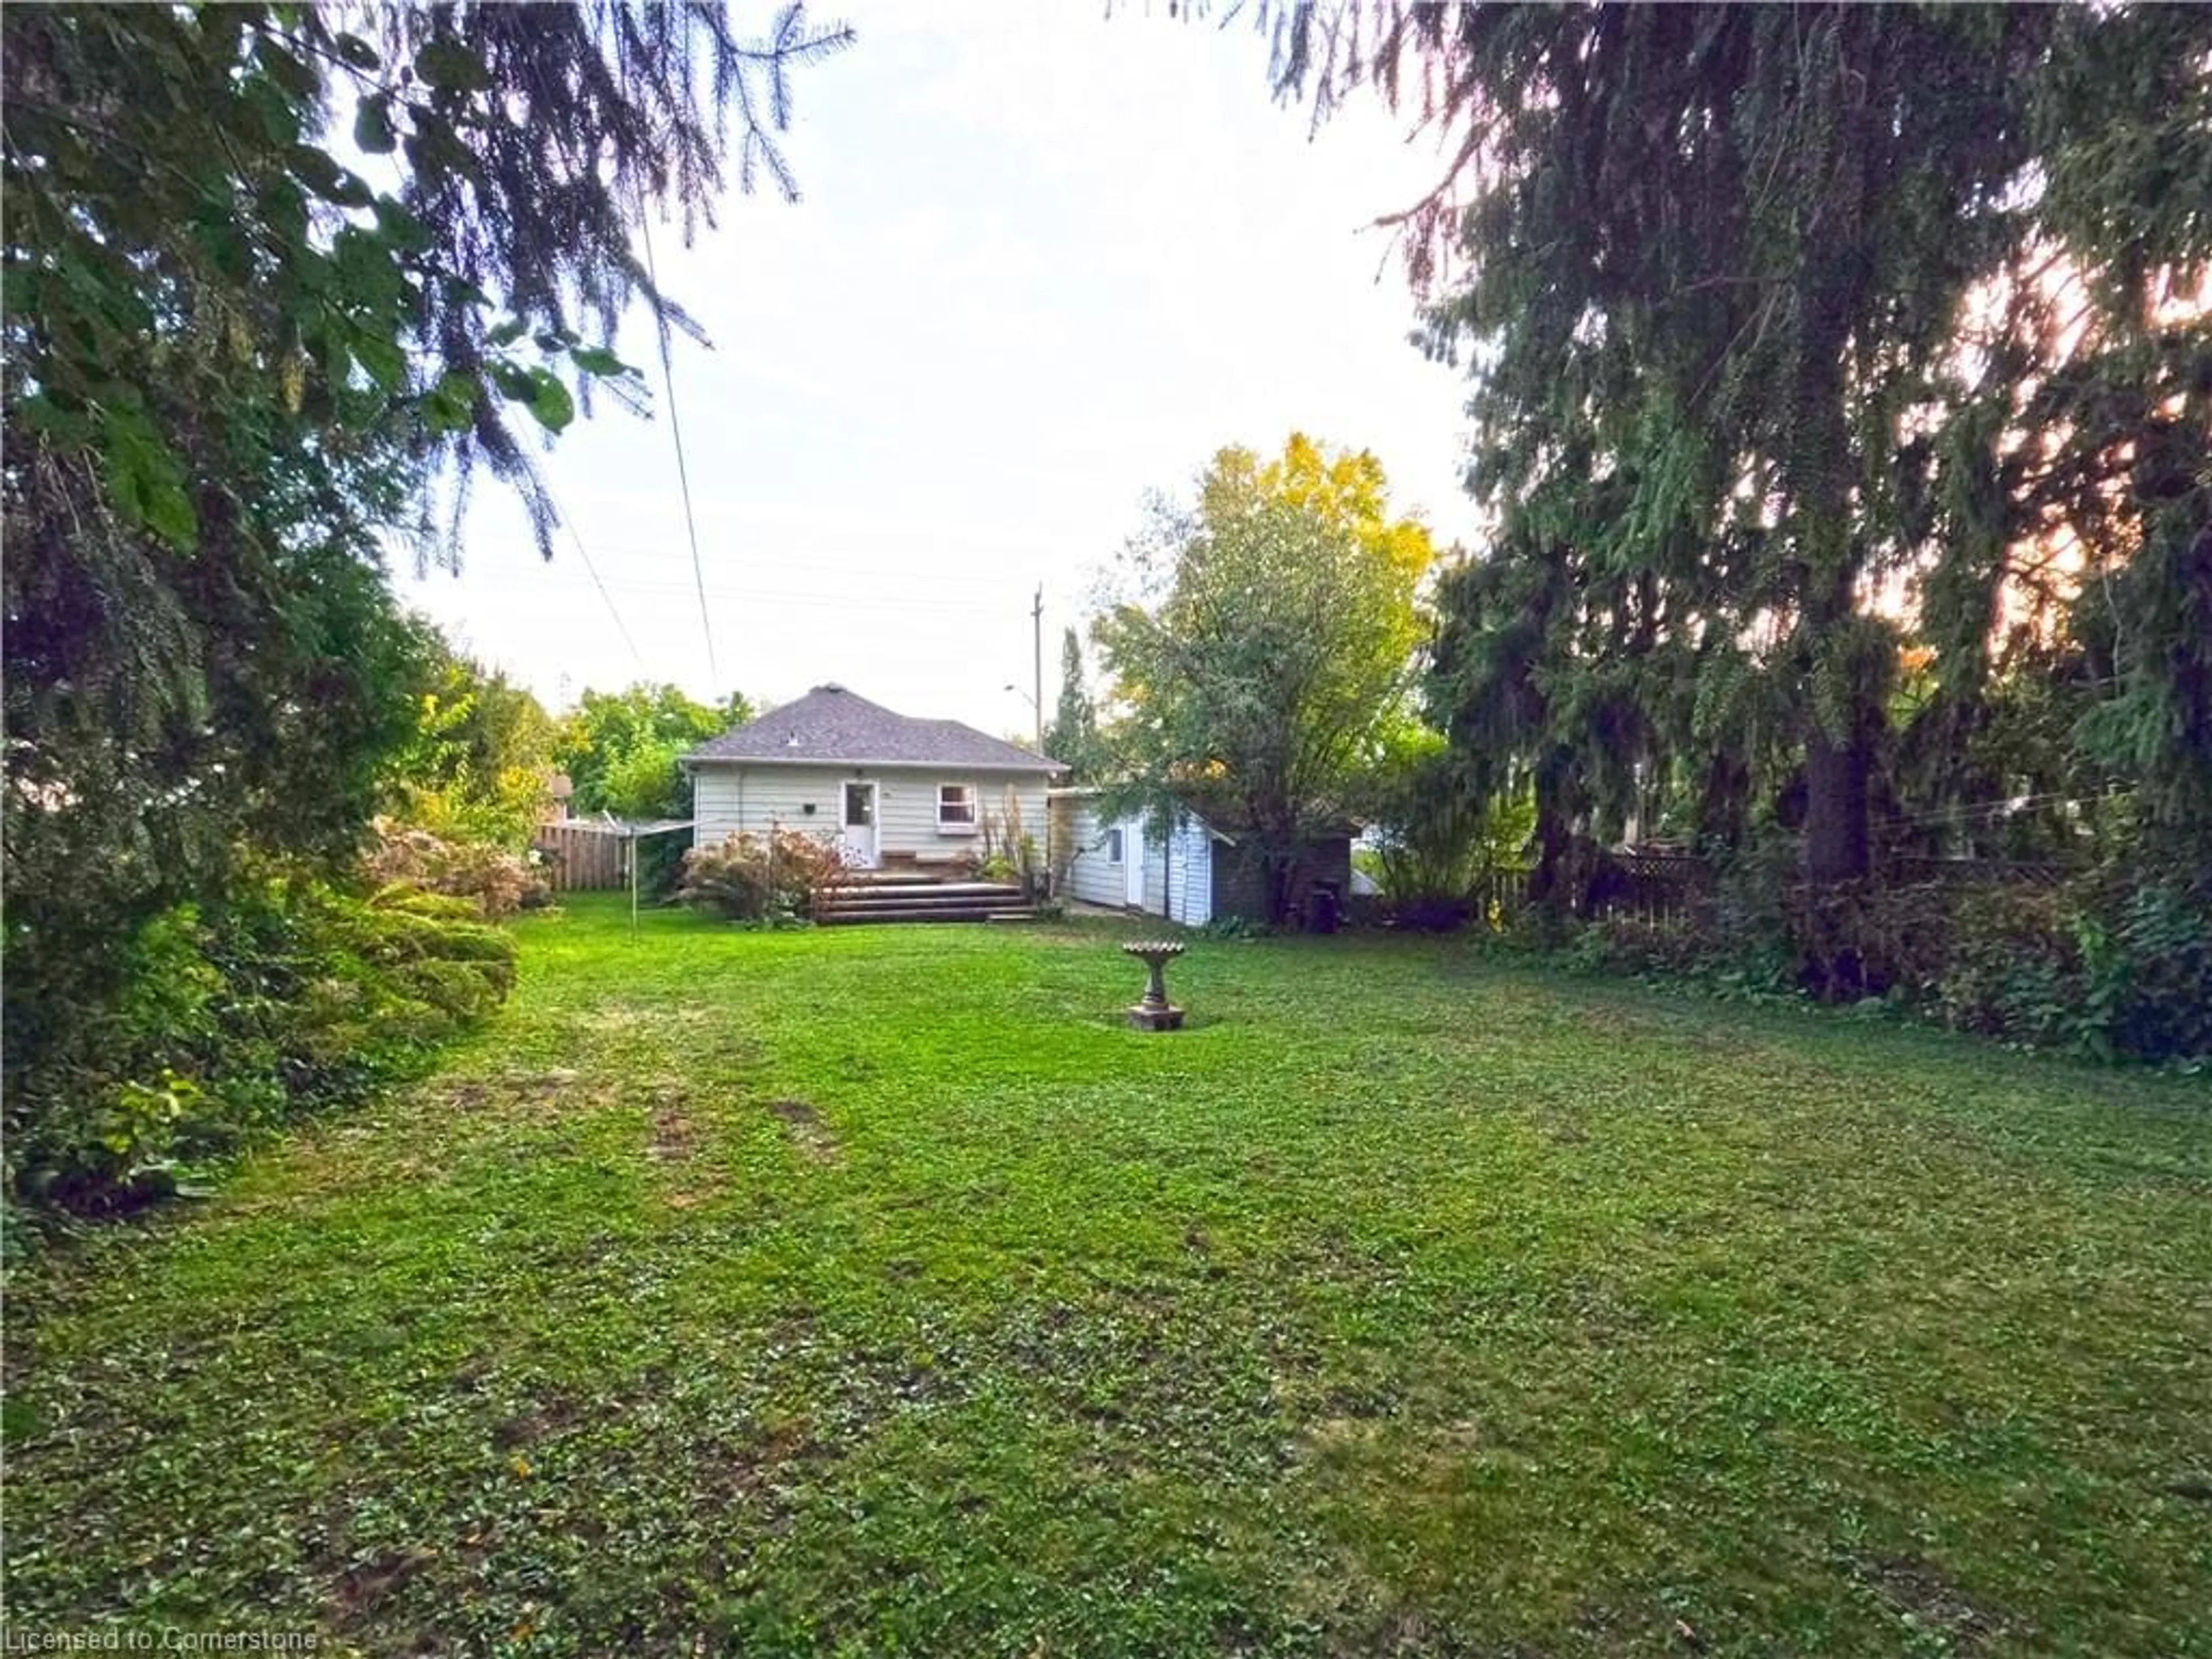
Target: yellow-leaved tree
x=1263 y=642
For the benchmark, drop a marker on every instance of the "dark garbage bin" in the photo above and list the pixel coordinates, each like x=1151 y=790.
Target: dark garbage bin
x=1324 y=907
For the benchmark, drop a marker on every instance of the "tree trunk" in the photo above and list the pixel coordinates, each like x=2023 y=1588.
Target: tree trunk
x=1280 y=868
x=1818 y=474
x=1835 y=847
x=1550 y=888
x=1835 y=839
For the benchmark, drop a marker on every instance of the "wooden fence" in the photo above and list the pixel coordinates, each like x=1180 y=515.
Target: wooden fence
x=1638 y=886
x=1503 y=892
x=582 y=857
x=1649 y=887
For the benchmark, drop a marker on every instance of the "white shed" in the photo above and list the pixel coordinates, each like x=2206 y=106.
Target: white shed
x=1115 y=862
x=1196 y=872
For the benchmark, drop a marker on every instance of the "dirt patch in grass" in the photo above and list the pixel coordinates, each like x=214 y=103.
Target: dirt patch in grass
x=1932 y=1600
x=751 y=1470
x=543 y=1420
x=674 y=1139
x=627 y=1017
x=806 y=1129
x=537 y=1091
x=363 y=1585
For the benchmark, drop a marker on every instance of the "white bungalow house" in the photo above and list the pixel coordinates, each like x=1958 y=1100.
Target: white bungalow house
x=1196 y=872
x=892 y=791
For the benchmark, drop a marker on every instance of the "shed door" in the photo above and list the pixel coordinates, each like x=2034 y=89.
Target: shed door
x=1132 y=862
x=859 y=826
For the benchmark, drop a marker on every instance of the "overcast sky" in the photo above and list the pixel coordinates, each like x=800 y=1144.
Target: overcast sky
x=1045 y=262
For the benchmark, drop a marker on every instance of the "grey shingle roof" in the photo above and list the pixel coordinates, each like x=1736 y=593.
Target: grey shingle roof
x=832 y=724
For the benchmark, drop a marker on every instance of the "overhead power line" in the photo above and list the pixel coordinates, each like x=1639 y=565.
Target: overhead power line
x=676 y=431
x=1967 y=811
x=592 y=570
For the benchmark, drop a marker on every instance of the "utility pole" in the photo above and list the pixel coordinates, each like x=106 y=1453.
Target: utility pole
x=1036 y=620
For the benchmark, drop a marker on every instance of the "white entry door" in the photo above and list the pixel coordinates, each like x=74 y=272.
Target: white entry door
x=1132 y=862
x=860 y=826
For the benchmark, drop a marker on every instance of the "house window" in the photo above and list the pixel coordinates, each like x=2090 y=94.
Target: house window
x=956 y=807
x=1114 y=845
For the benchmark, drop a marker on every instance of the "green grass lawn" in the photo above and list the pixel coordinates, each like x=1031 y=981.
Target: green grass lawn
x=874 y=1291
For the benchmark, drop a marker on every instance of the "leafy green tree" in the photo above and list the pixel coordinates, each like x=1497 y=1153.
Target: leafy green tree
x=646 y=782
x=620 y=747
x=621 y=750
x=1072 y=737
x=480 y=763
x=1267 y=643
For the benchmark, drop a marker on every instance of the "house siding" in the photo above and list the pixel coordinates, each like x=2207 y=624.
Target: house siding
x=1191 y=874
x=727 y=798
x=1178 y=872
x=1091 y=876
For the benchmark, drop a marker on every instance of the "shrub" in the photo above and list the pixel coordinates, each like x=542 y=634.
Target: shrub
x=1238 y=929
x=297 y=995
x=1436 y=842
x=1857 y=940
x=2014 y=966
x=772 y=879
x=1429 y=913
x=2154 y=971
x=496 y=881
x=2113 y=962
x=2107 y=965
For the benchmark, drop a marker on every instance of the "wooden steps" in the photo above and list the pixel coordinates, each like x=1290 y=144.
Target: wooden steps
x=902 y=897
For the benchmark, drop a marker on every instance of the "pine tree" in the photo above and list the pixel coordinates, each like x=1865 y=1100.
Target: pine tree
x=1773 y=377
x=1072 y=737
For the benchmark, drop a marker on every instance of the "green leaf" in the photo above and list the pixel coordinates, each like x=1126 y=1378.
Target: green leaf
x=452 y=405
x=513 y=382
x=365 y=268
x=169 y=515
x=552 y=404
x=401 y=228
x=315 y=169
x=286 y=70
x=62 y=427
x=358 y=52
x=597 y=360
x=372 y=125
x=280 y=120
x=145 y=484
x=447 y=64
x=381 y=356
